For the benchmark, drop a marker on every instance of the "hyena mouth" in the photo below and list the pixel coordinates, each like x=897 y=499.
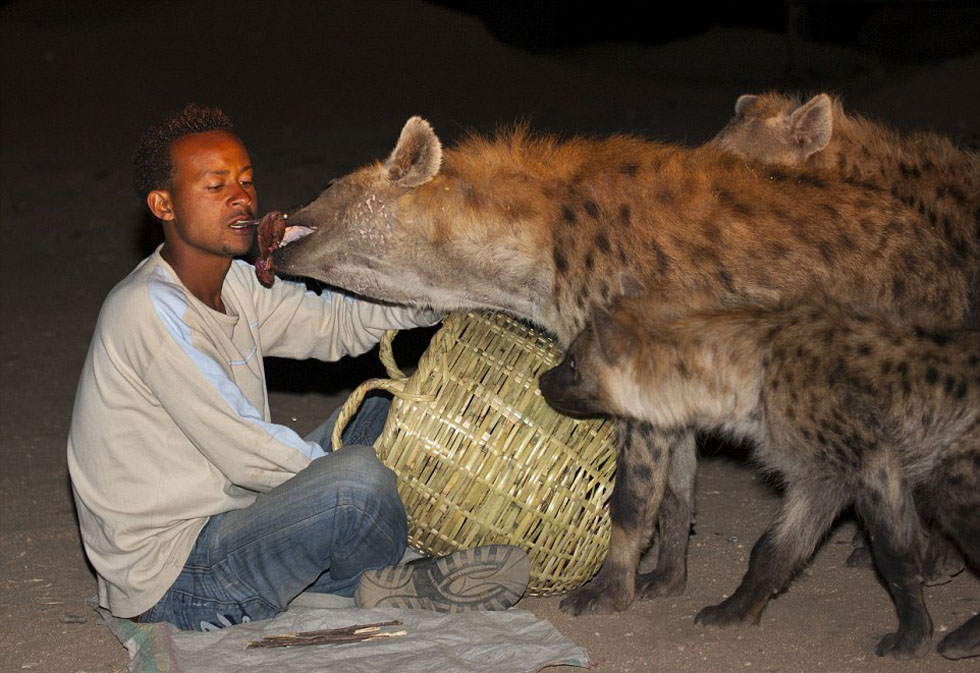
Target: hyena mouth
x=274 y=234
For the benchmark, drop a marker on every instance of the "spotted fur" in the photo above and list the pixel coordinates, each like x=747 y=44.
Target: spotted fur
x=846 y=406
x=938 y=179
x=548 y=229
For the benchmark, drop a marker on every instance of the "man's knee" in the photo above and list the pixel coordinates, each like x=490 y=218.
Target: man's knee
x=351 y=471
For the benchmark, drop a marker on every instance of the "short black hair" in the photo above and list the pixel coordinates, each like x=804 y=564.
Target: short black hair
x=152 y=167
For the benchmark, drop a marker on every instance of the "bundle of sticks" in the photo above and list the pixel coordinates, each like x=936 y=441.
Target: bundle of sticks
x=355 y=633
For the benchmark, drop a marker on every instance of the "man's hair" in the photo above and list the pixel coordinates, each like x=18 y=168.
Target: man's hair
x=152 y=167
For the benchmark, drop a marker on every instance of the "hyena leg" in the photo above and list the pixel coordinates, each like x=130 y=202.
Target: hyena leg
x=674 y=522
x=888 y=511
x=941 y=564
x=963 y=642
x=807 y=512
x=861 y=556
x=958 y=511
x=642 y=457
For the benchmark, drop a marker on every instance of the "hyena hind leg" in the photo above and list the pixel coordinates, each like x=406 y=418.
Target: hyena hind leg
x=959 y=514
x=942 y=561
x=941 y=564
x=643 y=456
x=889 y=514
x=674 y=518
x=807 y=513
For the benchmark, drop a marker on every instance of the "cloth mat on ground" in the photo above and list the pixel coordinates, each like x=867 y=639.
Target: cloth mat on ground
x=508 y=641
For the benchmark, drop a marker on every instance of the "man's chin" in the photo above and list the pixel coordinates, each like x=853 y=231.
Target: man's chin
x=242 y=250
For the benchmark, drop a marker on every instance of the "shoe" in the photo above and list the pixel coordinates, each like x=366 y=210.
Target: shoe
x=482 y=578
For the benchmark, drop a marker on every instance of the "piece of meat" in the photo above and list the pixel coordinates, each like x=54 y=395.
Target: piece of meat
x=272 y=228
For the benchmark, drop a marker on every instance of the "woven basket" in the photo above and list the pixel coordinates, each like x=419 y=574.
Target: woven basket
x=482 y=459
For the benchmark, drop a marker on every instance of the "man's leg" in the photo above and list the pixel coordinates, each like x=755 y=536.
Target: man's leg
x=213 y=591
x=364 y=428
x=342 y=513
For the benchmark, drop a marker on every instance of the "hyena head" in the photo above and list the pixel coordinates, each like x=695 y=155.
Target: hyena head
x=667 y=369
x=578 y=385
x=777 y=129
x=403 y=230
x=358 y=241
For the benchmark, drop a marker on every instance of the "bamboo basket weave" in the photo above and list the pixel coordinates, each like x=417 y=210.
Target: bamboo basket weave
x=482 y=459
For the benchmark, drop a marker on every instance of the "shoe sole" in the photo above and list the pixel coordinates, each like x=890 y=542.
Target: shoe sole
x=483 y=578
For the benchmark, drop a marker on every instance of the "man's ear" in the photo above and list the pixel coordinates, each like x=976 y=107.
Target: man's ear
x=160 y=205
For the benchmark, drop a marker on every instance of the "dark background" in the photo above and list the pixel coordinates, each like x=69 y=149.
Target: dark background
x=893 y=28
x=317 y=89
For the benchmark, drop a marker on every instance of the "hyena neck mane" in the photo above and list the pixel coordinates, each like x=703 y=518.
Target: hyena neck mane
x=491 y=197
x=563 y=226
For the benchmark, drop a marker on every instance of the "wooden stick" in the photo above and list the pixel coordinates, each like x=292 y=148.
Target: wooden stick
x=344 y=634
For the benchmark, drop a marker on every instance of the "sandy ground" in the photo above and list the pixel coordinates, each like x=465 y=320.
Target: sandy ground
x=317 y=89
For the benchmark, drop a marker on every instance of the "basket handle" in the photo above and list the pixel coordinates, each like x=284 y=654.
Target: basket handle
x=395 y=385
x=387 y=356
x=353 y=403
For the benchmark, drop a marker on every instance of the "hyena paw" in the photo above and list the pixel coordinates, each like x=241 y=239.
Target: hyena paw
x=860 y=558
x=963 y=642
x=721 y=615
x=597 y=597
x=906 y=644
x=657 y=584
x=942 y=563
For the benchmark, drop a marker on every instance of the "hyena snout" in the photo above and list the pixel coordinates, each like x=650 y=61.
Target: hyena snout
x=567 y=393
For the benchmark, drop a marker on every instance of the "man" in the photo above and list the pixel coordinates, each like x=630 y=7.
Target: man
x=194 y=507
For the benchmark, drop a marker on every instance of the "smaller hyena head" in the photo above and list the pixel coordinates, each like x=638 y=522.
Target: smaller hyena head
x=776 y=129
x=632 y=363
x=578 y=385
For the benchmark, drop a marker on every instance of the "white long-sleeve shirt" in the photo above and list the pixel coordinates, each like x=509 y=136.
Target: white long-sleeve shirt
x=171 y=422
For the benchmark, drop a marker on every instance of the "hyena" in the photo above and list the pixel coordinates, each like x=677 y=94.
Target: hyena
x=937 y=178
x=844 y=405
x=548 y=229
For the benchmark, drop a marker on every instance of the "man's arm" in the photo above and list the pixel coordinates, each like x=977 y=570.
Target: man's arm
x=300 y=324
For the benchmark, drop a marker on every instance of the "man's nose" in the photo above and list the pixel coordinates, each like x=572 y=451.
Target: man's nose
x=241 y=197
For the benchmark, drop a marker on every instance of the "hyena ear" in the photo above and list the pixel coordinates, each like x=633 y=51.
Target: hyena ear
x=611 y=338
x=744 y=102
x=811 y=124
x=602 y=327
x=417 y=156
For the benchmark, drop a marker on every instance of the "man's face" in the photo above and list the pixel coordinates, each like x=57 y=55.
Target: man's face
x=211 y=190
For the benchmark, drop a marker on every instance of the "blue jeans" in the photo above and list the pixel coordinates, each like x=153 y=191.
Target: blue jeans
x=318 y=531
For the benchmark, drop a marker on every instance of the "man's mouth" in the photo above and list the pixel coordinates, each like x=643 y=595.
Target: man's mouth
x=244 y=222
x=273 y=234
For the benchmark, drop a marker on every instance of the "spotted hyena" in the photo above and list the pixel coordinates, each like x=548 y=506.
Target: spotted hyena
x=937 y=178
x=844 y=405
x=548 y=229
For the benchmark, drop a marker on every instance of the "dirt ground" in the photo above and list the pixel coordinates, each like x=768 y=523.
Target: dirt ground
x=316 y=89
